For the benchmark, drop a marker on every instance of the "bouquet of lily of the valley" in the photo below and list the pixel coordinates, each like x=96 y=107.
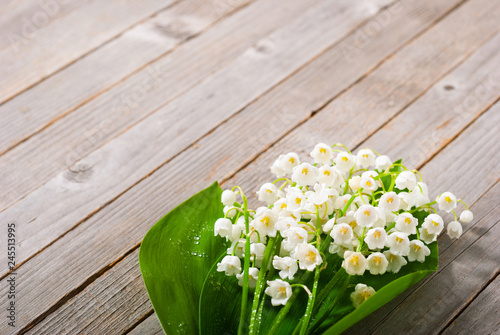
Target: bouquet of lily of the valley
x=335 y=239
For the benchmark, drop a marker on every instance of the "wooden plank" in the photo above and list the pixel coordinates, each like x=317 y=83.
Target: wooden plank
x=152 y=197
x=48 y=153
x=150 y=326
x=464 y=157
x=68 y=39
x=82 y=81
x=481 y=317
x=20 y=20
x=106 y=307
x=123 y=161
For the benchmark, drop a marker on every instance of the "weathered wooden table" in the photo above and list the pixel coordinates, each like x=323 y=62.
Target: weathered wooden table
x=112 y=112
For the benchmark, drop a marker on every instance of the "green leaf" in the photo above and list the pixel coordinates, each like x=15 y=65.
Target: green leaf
x=175 y=257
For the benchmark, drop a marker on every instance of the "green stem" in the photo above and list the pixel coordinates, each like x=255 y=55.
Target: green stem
x=329 y=305
x=244 y=294
x=310 y=303
x=283 y=312
x=260 y=284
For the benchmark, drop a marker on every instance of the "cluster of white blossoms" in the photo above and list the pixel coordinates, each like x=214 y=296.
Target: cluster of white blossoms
x=373 y=212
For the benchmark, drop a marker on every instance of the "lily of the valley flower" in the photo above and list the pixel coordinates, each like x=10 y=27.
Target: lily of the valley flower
x=308 y=256
x=396 y=261
x=376 y=238
x=231 y=265
x=287 y=265
x=406 y=179
x=433 y=223
x=279 y=291
x=304 y=174
x=418 y=251
x=406 y=223
x=342 y=234
x=454 y=229
x=354 y=263
x=390 y=201
x=269 y=193
x=322 y=153
x=253 y=274
x=466 y=216
x=366 y=215
x=399 y=243
x=361 y=294
x=447 y=201
x=377 y=263
x=228 y=198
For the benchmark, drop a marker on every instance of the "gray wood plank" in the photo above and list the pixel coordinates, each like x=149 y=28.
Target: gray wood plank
x=67 y=39
x=150 y=326
x=46 y=154
x=20 y=20
x=149 y=197
x=63 y=92
x=108 y=307
x=481 y=317
x=122 y=162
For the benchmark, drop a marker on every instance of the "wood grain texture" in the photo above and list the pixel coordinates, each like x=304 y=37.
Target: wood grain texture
x=150 y=326
x=481 y=317
x=123 y=161
x=20 y=20
x=157 y=187
x=56 y=46
x=108 y=306
x=82 y=81
x=48 y=153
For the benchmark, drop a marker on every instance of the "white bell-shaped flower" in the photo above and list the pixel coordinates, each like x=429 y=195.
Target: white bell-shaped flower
x=376 y=238
x=223 y=227
x=279 y=291
x=406 y=179
x=433 y=223
x=382 y=162
x=304 y=174
x=265 y=223
x=328 y=176
x=390 y=201
x=454 y=229
x=418 y=251
x=365 y=158
x=289 y=161
x=447 y=201
x=308 y=256
x=361 y=294
x=426 y=236
x=253 y=275
x=406 y=223
x=395 y=260
x=231 y=265
x=287 y=265
x=295 y=199
x=285 y=223
x=268 y=192
x=406 y=201
x=377 y=263
x=257 y=251
x=228 y=198
x=237 y=247
x=344 y=161
x=322 y=153
x=366 y=215
x=399 y=243
x=466 y=216
x=342 y=234
x=294 y=236
x=354 y=263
